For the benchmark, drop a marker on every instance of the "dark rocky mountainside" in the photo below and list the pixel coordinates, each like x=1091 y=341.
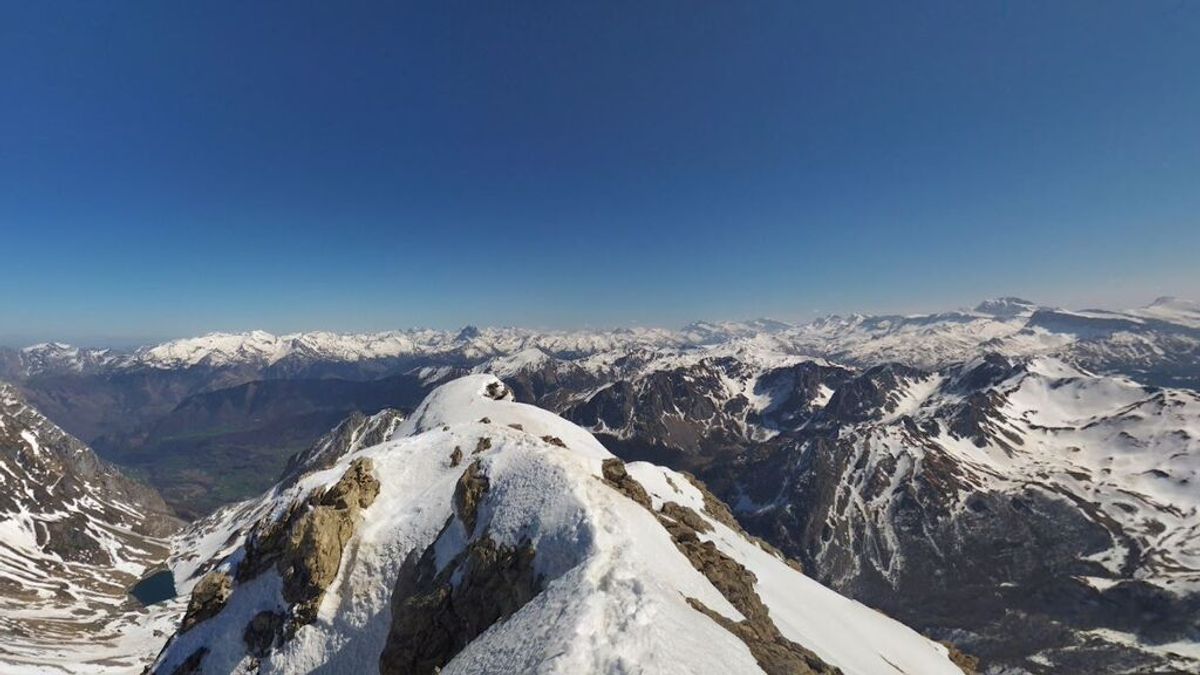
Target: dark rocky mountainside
x=991 y=475
x=1018 y=508
x=47 y=470
x=76 y=535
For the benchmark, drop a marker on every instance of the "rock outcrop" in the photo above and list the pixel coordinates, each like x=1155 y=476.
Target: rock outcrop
x=305 y=548
x=436 y=614
x=544 y=551
x=208 y=599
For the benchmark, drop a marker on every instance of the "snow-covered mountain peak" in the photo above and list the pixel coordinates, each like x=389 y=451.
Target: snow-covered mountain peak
x=467 y=334
x=491 y=536
x=1175 y=303
x=484 y=399
x=709 y=332
x=49 y=347
x=1106 y=340
x=1174 y=310
x=1006 y=307
x=531 y=358
x=213 y=349
x=59 y=358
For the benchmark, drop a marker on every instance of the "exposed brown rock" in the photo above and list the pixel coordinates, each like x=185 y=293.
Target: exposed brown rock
x=265 y=544
x=306 y=545
x=68 y=538
x=456 y=456
x=484 y=443
x=472 y=485
x=615 y=475
x=313 y=550
x=518 y=427
x=498 y=391
x=965 y=662
x=671 y=482
x=688 y=517
x=718 y=511
x=311 y=558
x=208 y=599
x=727 y=575
x=357 y=488
x=775 y=654
x=554 y=440
x=485 y=420
x=262 y=632
x=433 y=620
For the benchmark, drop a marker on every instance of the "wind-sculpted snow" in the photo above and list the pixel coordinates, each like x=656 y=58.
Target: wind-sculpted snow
x=612 y=590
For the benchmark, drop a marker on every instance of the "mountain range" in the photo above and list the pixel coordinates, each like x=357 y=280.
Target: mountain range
x=152 y=408
x=1168 y=327
x=1014 y=480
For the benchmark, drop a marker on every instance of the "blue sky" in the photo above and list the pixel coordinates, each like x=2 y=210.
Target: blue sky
x=173 y=168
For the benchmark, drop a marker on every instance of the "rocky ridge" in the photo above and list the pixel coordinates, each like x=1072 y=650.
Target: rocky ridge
x=503 y=559
x=1054 y=504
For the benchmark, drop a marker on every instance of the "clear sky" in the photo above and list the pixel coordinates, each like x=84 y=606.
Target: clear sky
x=170 y=168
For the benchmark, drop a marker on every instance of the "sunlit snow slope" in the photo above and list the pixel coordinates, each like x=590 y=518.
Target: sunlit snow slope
x=489 y=536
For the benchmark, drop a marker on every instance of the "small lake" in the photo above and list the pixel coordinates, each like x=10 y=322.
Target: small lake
x=155 y=588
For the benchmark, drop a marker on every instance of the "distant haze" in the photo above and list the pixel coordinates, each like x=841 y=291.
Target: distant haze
x=18 y=340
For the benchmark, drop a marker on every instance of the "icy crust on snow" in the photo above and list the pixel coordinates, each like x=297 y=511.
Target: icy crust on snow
x=614 y=584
